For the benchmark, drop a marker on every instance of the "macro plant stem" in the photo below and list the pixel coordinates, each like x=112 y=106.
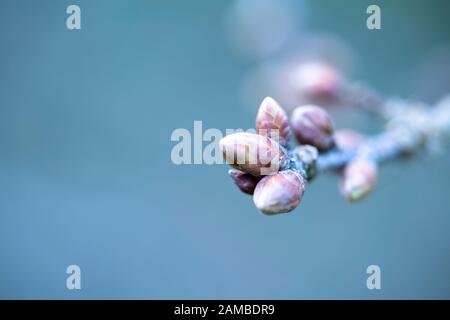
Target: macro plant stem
x=378 y=148
x=363 y=97
x=408 y=138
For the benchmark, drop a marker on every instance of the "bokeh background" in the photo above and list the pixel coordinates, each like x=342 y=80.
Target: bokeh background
x=86 y=176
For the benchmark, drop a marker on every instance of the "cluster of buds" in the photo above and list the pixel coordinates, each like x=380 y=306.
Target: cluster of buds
x=274 y=171
x=267 y=167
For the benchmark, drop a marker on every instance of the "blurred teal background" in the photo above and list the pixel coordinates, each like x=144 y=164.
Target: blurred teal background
x=86 y=176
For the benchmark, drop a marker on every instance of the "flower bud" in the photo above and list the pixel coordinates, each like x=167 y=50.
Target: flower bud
x=253 y=153
x=358 y=179
x=348 y=139
x=279 y=193
x=308 y=157
x=245 y=181
x=316 y=82
x=272 y=121
x=312 y=125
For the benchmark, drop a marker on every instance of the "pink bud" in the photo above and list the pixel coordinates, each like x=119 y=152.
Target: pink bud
x=316 y=82
x=272 y=121
x=253 y=153
x=347 y=139
x=245 y=181
x=279 y=193
x=312 y=125
x=358 y=179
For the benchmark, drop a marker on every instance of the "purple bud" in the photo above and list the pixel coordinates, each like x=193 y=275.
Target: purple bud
x=272 y=121
x=358 y=179
x=253 y=153
x=312 y=125
x=245 y=181
x=279 y=193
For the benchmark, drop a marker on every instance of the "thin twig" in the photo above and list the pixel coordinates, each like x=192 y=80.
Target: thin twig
x=412 y=132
